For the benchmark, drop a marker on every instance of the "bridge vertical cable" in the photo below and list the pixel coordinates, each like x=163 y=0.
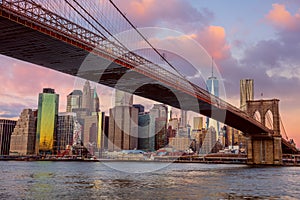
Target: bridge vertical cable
x=282 y=129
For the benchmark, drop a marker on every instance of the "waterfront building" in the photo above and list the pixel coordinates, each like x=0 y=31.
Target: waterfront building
x=86 y=105
x=235 y=137
x=209 y=141
x=246 y=92
x=74 y=100
x=197 y=123
x=6 y=129
x=174 y=123
x=101 y=136
x=46 y=121
x=90 y=137
x=144 y=138
x=123 y=128
x=123 y=123
x=158 y=129
x=65 y=129
x=161 y=137
x=144 y=141
x=24 y=135
x=183 y=119
x=106 y=131
x=199 y=136
x=180 y=143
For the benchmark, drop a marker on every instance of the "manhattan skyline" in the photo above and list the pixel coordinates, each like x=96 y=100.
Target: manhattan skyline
x=262 y=47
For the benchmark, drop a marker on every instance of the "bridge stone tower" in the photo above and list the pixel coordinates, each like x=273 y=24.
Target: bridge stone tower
x=265 y=148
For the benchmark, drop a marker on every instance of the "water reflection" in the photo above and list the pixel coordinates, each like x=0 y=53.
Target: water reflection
x=51 y=180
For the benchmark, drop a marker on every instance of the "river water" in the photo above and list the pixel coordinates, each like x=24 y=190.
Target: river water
x=134 y=180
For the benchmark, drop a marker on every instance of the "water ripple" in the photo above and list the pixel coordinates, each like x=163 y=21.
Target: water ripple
x=59 y=180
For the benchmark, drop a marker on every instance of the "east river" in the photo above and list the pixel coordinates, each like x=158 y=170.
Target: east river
x=134 y=180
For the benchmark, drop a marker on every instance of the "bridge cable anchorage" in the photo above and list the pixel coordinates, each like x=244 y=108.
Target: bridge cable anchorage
x=282 y=126
x=144 y=38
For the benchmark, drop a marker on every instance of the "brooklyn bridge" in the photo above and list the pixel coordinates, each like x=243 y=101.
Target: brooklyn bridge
x=62 y=35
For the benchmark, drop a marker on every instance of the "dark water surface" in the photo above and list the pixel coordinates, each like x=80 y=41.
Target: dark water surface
x=80 y=180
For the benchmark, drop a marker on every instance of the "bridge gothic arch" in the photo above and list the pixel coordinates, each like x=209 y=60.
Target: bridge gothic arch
x=269 y=120
x=257 y=116
x=268 y=111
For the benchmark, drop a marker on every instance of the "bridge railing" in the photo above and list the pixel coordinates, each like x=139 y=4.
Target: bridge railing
x=35 y=13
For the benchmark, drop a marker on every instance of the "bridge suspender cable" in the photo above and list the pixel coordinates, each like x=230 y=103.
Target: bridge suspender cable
x=282 y=126
x=84 y=18
x=144 y=38
x=95 y=21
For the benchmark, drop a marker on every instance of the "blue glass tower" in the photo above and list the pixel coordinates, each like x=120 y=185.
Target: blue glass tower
x=212 y=86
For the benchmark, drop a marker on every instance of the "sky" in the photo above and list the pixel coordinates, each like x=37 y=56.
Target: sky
x=250 y=39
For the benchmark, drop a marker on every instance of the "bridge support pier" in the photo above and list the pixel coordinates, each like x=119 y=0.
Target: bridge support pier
x=264 y=151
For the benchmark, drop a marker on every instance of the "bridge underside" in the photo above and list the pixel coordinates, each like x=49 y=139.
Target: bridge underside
x=288 y=148
x=65 y=55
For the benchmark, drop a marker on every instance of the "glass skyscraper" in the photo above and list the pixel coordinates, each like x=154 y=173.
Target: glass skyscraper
x=65 y=129
x=46 y=122
x=74 y=100
x=212 y=85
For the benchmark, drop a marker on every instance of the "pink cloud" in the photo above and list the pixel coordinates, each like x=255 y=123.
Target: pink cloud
x=21 y=80
x=213 y=39
x=281 y=18
x=170 y=13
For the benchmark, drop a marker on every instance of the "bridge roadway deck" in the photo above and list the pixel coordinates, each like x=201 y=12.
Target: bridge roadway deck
x=32 y=42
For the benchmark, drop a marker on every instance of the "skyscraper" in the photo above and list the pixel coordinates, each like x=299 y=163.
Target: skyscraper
x=158 y=126
x=87 y=101
x=212 y=85
x=144 y=132
x=197 y=123
x=24 y=135
x=86 y=105
x=161 y=139
x=6 y=129
x=183 y=119
x=209 y=141
x=246 y=92
x=65 y=129
x=101 y=131
x=96 y=102
x=123 y=123
x=74 y=100
x=123 y=128
x=123 y=98
x=46 y=122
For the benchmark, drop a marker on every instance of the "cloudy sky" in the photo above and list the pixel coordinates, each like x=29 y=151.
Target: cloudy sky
x=250 y=39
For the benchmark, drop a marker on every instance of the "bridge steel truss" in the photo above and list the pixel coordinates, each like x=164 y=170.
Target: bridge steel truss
x=34 y=16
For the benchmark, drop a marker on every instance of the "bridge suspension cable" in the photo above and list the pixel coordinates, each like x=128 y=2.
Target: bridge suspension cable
x=145 y=39
x=283 y=129
x=93 y=18
x=90 y=7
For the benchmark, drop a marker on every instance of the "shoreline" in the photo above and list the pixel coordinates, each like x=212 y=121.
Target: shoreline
x=211 y=160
